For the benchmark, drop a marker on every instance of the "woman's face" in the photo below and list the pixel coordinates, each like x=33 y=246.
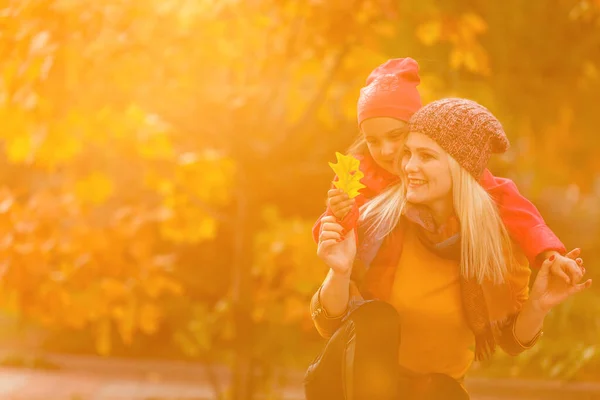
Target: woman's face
x=427 y=172
x=384 y=138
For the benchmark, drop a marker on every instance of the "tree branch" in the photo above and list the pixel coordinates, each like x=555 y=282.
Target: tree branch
x=322 y=90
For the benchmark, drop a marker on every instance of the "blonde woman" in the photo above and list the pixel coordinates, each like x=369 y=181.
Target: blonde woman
x=446 y=286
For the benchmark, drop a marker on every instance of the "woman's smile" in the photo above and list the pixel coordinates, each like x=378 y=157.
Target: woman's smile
x=416 y=183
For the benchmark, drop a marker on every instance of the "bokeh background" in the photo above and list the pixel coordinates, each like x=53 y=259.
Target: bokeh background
x=163 y=161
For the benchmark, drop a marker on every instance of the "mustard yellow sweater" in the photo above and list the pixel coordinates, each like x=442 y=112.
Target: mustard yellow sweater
x=435 y=335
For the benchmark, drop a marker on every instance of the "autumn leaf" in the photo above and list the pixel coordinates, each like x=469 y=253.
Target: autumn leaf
x=58 y=148
x=430 y=32
x=348 y=174
x=19 y=149
x=156 y=285
x=96 y=188
x=456 y=58
x=113 y=289
x=474 y=22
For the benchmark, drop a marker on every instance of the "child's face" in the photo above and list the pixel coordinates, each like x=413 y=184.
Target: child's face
x=427 y=172
x=385 y=137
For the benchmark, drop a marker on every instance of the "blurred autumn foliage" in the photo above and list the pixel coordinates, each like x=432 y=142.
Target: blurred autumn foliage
x=163 y=160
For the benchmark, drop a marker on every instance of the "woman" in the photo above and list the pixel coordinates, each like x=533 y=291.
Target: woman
x=391 y=92
x=449 y=283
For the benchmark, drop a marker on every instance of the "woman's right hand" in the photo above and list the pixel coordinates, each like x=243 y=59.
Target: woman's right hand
x=338 y=251
x=339 y=203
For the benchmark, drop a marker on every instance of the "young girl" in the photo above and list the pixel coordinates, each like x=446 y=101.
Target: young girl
x=385 y=105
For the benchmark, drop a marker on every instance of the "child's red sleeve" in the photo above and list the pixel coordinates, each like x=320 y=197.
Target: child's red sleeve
x=348 y=222
x=521 y=218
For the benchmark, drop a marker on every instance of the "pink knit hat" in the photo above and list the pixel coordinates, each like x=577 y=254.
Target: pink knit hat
x=465 y=129
x=391 y=91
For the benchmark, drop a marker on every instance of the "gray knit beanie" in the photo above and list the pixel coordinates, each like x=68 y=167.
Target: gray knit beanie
x=465 y=129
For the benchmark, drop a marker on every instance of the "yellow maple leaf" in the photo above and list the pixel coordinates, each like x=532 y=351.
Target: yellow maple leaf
x=348 y=174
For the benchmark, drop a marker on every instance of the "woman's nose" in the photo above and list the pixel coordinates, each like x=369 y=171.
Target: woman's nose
x=410 y=165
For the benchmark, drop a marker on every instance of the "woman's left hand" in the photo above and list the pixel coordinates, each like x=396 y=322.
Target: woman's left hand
x=549 y=290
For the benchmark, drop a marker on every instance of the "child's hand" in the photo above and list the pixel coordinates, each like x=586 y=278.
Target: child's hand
x=339 y=203
x=568 y=267
x=548 y=290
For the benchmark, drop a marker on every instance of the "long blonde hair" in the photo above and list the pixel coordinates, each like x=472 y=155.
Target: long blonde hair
x=486 y=248
x=359 y=146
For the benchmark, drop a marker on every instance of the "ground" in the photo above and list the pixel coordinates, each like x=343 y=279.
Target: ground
x=95 y=378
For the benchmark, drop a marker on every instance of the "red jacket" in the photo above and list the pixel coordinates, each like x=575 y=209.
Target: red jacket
x=521 y=218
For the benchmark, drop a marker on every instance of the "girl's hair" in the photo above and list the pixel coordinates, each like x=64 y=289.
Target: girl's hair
x=485 y=244
x=359 y=146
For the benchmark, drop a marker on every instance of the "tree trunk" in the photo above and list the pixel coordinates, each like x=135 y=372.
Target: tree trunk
x=241 y=293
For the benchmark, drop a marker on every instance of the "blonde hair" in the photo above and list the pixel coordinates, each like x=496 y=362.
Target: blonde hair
x=486 y=248
x=359 y=146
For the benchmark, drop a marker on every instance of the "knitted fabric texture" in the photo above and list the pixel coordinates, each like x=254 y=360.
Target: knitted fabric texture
x=465 y=129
